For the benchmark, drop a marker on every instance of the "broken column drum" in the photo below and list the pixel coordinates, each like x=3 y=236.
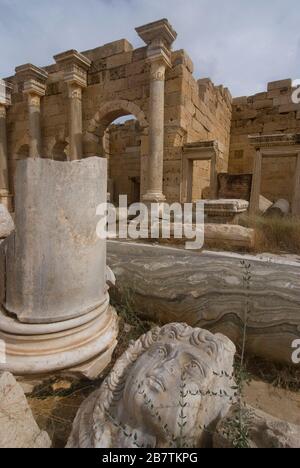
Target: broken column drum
x=56 y=313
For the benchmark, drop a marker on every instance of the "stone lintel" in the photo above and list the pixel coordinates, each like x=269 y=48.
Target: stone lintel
x=265 y=141
x=201 y=146
x=75 y=66
x=5 y=93
x=158 y=30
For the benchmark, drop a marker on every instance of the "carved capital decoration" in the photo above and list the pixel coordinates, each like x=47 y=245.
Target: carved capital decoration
x=75 y=67
x=74 y=90
x=5 y=93
x=34 y=100
x=2 y=111
x=34 y=80
x=34 y=89
x=157 y=70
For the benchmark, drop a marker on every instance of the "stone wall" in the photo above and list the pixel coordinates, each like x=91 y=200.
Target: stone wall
x=195 y=111
x=118 y=83
x=267 y=113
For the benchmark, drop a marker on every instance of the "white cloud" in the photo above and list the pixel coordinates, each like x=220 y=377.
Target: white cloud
x=240 y=44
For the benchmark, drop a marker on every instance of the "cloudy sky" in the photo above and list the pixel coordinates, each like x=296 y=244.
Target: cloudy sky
x=239 y=43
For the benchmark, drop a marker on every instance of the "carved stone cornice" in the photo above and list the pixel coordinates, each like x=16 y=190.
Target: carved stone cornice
x=161 y=30
x=159 y=37
x=34 y=79
x=158 y=57
x=34 y=88
x=269 y=141
x=75 y=67
x=5 y=93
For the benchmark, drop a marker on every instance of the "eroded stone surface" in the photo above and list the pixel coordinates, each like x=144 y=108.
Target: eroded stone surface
x=206 y=289
x=56 y=262
x=264 y=430
x=171 y=375
x=6 y=223
x=18 y=428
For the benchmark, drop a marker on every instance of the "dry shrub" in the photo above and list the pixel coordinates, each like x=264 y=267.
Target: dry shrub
x=275 y=234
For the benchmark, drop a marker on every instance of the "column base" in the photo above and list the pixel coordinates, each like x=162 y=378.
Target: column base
x=7 y=200
x=153 y=197
x=84 y=349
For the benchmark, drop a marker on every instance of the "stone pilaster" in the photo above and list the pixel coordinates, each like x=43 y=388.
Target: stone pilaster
x=159 y=37
x=34 y=89
x=5 y=101
x=75 y=67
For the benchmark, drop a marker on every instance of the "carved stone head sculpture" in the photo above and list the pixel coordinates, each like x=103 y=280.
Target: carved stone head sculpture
x=170 y=388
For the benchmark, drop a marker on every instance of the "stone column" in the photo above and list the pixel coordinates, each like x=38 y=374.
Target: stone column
x=74 y=66
x=159 y=37
x=34 y=88
x=5 y=101
x=156 y=131
x=296 y=196
x=56 y=313
x=256 y=182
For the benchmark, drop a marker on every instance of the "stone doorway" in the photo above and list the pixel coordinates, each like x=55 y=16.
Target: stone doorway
x=199 y=171
x=122 y=147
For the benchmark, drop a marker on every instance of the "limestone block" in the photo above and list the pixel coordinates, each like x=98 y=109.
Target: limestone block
x=260 y=97
x=180 y=57
x=107 y=50
x=240 y=101
x=231 y=235
x=263 y=104
x=119 y=60
x=235 y=185
x=282 y=100
x=138 y=405
x=275 y=93
x=6 y=222
x=264 y=431
x=18 y=428
x=206 y=289
x=279 y=84
x=289 y=108
x=173 y=85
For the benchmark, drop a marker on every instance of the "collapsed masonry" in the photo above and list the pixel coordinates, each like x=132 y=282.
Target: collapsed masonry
x=185 y=134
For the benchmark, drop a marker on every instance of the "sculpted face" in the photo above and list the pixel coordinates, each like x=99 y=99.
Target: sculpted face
x=158 y=374
x=169 y=386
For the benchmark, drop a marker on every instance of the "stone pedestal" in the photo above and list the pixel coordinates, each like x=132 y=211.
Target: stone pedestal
x=56 y=312
x=225 y=211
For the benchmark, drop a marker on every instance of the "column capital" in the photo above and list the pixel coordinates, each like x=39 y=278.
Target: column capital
x=159 y=37
x=34 y=79
x=5 y=93
x=75 y=67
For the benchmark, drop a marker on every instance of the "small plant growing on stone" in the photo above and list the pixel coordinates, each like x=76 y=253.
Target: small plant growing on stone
x=237 y=429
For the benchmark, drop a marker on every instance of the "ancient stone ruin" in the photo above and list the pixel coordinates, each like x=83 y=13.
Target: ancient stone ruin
x=64 y=152
x=186 y=132
x=137 y=405
x=55 y=311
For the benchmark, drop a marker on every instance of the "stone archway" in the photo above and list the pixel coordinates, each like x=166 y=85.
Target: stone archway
x=94 y=137
x=109 y=112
